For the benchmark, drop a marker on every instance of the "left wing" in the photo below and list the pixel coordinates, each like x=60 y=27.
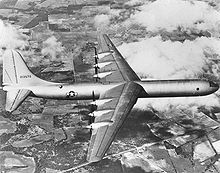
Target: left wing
x=115 y=106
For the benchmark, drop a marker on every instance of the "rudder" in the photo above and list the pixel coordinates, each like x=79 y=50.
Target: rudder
x=15 y=70
x=15 y=74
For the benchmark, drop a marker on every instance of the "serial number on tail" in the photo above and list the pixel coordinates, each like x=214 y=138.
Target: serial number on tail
x=25 y=76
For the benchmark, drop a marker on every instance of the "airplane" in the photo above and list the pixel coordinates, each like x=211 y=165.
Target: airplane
x=114 y=95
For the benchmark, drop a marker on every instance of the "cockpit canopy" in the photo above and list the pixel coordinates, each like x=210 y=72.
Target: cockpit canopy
x=213 y=84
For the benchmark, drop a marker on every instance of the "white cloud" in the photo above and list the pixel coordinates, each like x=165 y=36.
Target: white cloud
x=135 y=2
x=102 y=20
x=170 y=14
x=157 y=59
x=184 y=103
x=154 y=58
x=52 y=47
x=11 y=38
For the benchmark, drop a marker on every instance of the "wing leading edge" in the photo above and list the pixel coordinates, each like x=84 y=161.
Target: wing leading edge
x=117 y=104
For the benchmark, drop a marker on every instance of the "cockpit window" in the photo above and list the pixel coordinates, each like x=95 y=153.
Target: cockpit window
x=212 y=84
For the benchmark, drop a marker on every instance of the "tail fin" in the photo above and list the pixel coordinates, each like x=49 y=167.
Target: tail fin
x=16 y=72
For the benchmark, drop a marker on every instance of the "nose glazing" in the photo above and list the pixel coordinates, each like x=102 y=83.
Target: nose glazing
x=214 y=86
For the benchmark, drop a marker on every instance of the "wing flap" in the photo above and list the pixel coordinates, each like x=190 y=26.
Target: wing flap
x=124 y=97
x=14 y=98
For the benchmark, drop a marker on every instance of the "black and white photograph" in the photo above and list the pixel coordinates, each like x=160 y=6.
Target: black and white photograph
x=109 y=86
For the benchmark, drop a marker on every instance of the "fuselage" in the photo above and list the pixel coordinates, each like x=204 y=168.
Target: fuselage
x=151 y=88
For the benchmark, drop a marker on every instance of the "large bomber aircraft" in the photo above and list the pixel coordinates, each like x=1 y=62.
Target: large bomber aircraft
x=114 y=95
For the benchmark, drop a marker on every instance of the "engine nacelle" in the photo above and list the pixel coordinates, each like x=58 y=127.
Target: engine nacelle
x=101 y=65
x=100 y=113
x=102 y=75
x=97 y=125
x=103 y=54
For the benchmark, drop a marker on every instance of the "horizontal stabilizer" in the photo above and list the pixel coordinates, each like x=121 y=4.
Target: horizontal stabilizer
x=14 y=98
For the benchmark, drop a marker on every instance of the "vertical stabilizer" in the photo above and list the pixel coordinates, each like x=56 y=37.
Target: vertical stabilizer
x=16 y=72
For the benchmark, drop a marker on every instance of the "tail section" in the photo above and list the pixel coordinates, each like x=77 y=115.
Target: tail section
x=14 y=98
x=16 y=72
x=16 y=76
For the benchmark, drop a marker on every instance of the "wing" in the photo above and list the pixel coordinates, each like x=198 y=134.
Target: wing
x=14 y=98
x=116 y=105
x=112 y=67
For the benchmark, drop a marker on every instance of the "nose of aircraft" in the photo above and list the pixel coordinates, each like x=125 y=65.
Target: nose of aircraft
x=214 y=86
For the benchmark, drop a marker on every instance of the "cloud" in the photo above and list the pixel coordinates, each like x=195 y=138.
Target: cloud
x=52 y=48
x=111 y=19
x=102 y=20
x=154 y=58
x=135 y=2
x=11 y=38
x=171 y=14
x=183 y=103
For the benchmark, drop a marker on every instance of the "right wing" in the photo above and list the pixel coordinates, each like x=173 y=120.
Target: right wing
x=116 y=105
x=112 y=67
